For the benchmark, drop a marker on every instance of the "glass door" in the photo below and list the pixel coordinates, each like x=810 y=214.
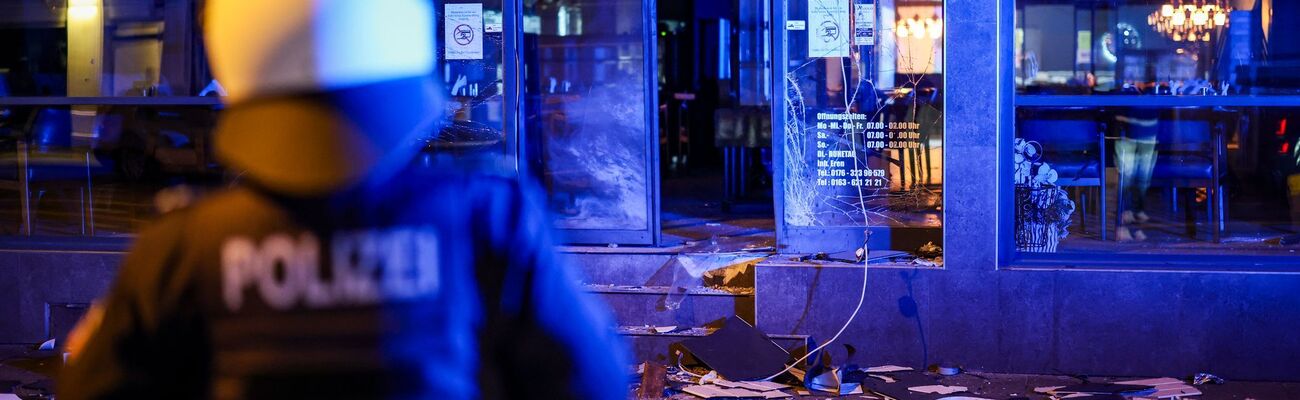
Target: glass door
x=860 y=114
x=589 y=97
x=472 y=41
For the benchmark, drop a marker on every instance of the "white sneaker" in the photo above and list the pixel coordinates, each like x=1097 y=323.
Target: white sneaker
x=1140 y=236
x=1122 y=235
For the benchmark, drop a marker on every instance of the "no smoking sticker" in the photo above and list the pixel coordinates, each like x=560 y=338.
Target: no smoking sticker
x=829 y=29
x=464 y=31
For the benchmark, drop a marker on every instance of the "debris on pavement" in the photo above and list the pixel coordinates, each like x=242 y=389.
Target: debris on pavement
x=653 y=379
x=662 y=329
x=938 y=389
x=835 y=381
x=738 y=352
x=1140 y=389
x=945 y=369
x=740 y=361
x=886 y=369
x=1204 y=378
x=1106 y=388
x=1165 y=388
x=716 y=392
x=900 y=384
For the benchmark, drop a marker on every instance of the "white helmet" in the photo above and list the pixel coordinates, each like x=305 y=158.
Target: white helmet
x=321 y=93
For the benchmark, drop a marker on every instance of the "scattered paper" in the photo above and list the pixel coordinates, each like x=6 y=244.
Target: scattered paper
x=703 y=391
x=766 y=386
x=828 y=381
x=1051 y=390
x=938 y=389
x=886 y=378
x=761 y=386
x=717 y=391
x=1166 y=388
x=886 y=368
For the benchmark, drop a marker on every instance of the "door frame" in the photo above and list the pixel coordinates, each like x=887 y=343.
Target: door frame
x=516 y=109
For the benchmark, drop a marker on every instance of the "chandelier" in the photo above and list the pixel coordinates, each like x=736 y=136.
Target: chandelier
x=1191 y=21
x=931 y=27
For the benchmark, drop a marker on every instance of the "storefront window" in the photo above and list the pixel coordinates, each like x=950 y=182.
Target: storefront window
x=102 y=48
x=861 y=124
x=472 y=71
x=106 y=110
x=1157 y=128
x=141 y=160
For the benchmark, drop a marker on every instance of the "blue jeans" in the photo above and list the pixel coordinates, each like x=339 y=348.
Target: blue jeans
x=1135 y=159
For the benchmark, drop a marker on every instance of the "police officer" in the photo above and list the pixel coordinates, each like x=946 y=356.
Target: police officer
x=334 y=269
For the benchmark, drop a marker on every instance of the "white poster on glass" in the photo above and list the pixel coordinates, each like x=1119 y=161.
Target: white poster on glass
x=464 y=31
x=828 y=28
x=864 y=25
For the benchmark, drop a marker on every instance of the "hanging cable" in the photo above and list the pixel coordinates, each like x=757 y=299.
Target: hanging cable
x=862 y=297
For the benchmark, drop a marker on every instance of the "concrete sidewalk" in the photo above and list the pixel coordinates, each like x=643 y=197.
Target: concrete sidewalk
x=1020 y=386
x=981 y=385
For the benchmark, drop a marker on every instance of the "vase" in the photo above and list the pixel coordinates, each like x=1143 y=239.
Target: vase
x=1034 y=231
x=1037 y=238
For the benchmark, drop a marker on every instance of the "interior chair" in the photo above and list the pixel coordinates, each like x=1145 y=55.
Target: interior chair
x=1191 y=152
x=1073 y=144
x=44 y=160
x=922 y=106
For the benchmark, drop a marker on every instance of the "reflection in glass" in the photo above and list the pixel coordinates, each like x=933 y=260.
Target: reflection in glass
x=143 y=161
x=102 y=170
x=1135 y=161
x=1170 y=47
x=1181 y=138
x=101 y=48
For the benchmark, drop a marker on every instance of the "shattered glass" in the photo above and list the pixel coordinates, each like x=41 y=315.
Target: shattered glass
x=711 y=264
x=585 y=88
x=863 y=133
x=474 y=120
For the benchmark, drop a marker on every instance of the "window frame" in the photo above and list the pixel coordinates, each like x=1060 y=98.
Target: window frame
x=812 y=239
x=1009 y=100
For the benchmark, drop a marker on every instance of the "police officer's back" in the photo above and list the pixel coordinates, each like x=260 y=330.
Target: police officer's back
x=334 y=270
